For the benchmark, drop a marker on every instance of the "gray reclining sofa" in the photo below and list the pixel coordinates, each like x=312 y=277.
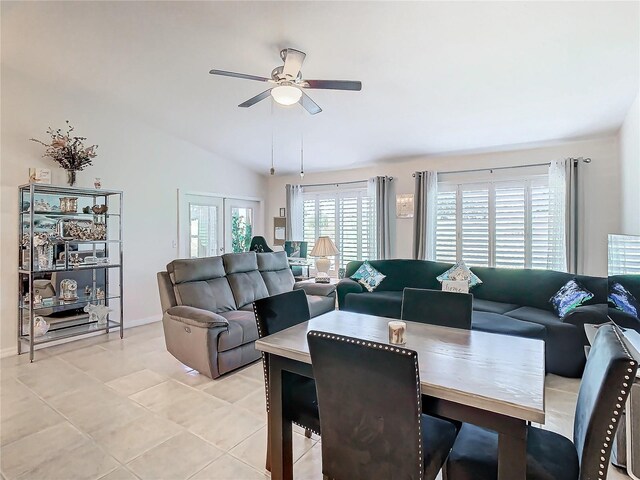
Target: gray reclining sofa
x=207 y=306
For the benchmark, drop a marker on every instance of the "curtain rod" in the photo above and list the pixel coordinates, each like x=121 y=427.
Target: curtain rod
x=337 y=184
x=575 y=160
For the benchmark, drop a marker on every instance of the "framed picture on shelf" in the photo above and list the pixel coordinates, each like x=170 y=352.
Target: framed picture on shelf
x=40 y=175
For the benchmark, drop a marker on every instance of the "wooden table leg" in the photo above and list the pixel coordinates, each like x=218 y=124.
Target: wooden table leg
x=512 y=453
x=280 y=430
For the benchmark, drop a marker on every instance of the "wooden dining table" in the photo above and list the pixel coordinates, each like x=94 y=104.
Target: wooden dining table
x=491 y=380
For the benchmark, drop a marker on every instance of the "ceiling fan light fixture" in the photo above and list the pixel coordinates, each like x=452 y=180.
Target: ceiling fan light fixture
x=286 y=94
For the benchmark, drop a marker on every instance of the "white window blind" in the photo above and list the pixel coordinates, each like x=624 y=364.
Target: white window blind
x=624 y=254
x=347 y=217
x=496 y=224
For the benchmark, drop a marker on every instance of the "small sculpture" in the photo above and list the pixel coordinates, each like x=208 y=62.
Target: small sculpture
x=97 y=313
x=100 y=293
x=40 y=326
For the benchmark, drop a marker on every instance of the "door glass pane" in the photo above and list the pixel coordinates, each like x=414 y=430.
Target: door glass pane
x=203 y=230
x=241 y=228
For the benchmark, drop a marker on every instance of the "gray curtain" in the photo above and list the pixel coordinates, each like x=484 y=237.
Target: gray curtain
x=294 y=204
x=574 y=202
x=424 y=218
x=381 y=189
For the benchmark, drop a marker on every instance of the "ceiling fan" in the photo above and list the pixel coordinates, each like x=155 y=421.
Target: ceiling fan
x=289 y=83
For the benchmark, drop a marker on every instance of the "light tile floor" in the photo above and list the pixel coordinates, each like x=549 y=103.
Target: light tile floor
x=111 y=409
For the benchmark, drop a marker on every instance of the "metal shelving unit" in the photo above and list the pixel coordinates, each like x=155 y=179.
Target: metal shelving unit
x=108 y=268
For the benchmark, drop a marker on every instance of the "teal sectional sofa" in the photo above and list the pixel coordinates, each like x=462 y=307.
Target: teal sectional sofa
x=509 y=301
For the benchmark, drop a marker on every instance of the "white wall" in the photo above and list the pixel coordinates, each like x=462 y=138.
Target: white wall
x=601 y=184
x=630 y=171
x=147 y=164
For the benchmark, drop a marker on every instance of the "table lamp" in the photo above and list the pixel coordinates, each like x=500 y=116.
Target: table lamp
x=323 y=248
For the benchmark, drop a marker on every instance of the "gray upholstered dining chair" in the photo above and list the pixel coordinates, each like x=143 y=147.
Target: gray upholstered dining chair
x=274 y=314
x=435 y=307
x=371 y=411
x=603 y=392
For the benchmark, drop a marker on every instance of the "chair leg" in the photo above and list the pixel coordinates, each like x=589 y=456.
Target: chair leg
x=307 y=433
x=267 y=462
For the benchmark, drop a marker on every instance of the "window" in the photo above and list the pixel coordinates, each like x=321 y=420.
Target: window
x=494 y=224
x=624 y=254
x=347 y=217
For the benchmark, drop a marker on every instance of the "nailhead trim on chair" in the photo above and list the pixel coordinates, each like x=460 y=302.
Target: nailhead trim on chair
x=401 y=351
x=606 y=449
x=266 y=378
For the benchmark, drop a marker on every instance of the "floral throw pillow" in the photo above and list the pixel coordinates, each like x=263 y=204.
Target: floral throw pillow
x=460 y=272
x=368 y=276
x=623 y=300
x=569 y=297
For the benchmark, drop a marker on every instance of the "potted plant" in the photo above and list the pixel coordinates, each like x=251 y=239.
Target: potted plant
x=68 y=151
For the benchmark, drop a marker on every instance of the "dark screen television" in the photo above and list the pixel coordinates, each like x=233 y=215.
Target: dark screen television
x=295 y=249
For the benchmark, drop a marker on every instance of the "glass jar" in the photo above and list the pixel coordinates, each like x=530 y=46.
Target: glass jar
x=68 y=290
x=69 y=204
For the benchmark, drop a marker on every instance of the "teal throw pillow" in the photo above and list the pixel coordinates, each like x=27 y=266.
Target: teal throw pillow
x=368 y=276
x=460 y=272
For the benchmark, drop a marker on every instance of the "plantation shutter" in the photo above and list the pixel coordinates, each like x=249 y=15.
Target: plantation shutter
x=347 y=217
x=510 y=227
x=475 y=226
x=446 y=226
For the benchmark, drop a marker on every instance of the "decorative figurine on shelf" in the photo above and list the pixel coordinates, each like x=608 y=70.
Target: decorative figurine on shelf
x=26 y=299
x=97 y=183
x=37 y=299
x=40 y=326
x=68 y=204
x=99 y=209
x=68 y=290
x=75 y=260
x=68 y=151
x=86 y=209
x=99 y=293
x=88 y=291
x=97 y=313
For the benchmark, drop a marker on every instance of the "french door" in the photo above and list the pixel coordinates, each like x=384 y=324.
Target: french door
x=239 y=224
x=212 y=225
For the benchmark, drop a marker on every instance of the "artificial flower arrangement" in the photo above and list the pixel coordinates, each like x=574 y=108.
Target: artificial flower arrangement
x=68 y=151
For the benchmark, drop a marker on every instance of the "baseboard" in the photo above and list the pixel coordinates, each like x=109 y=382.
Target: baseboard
x=138 y=322
x=8 y=352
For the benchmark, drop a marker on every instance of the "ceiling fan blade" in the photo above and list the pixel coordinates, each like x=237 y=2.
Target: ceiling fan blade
x=238 y=75
x=293 y=63
x=309 y=105
x=256 y=99
x=334 y=84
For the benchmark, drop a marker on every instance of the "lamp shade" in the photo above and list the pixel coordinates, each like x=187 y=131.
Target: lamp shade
x=324 y=247
x=286 y=94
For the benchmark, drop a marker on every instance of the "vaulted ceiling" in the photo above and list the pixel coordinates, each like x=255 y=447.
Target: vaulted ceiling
x=437 y=76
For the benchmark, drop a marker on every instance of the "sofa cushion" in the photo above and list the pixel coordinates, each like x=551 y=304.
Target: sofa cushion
x=247 y=287
x=481 y=305
x=535 y=315
x=404 y=273
x=242 y=329
x=195 y=269
x=530 y=287
x=497 y=323
x=240 y=262
x=383 y=304
x=276 y=273
x=214 y=295
x=319 y=305
x=246 y=282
